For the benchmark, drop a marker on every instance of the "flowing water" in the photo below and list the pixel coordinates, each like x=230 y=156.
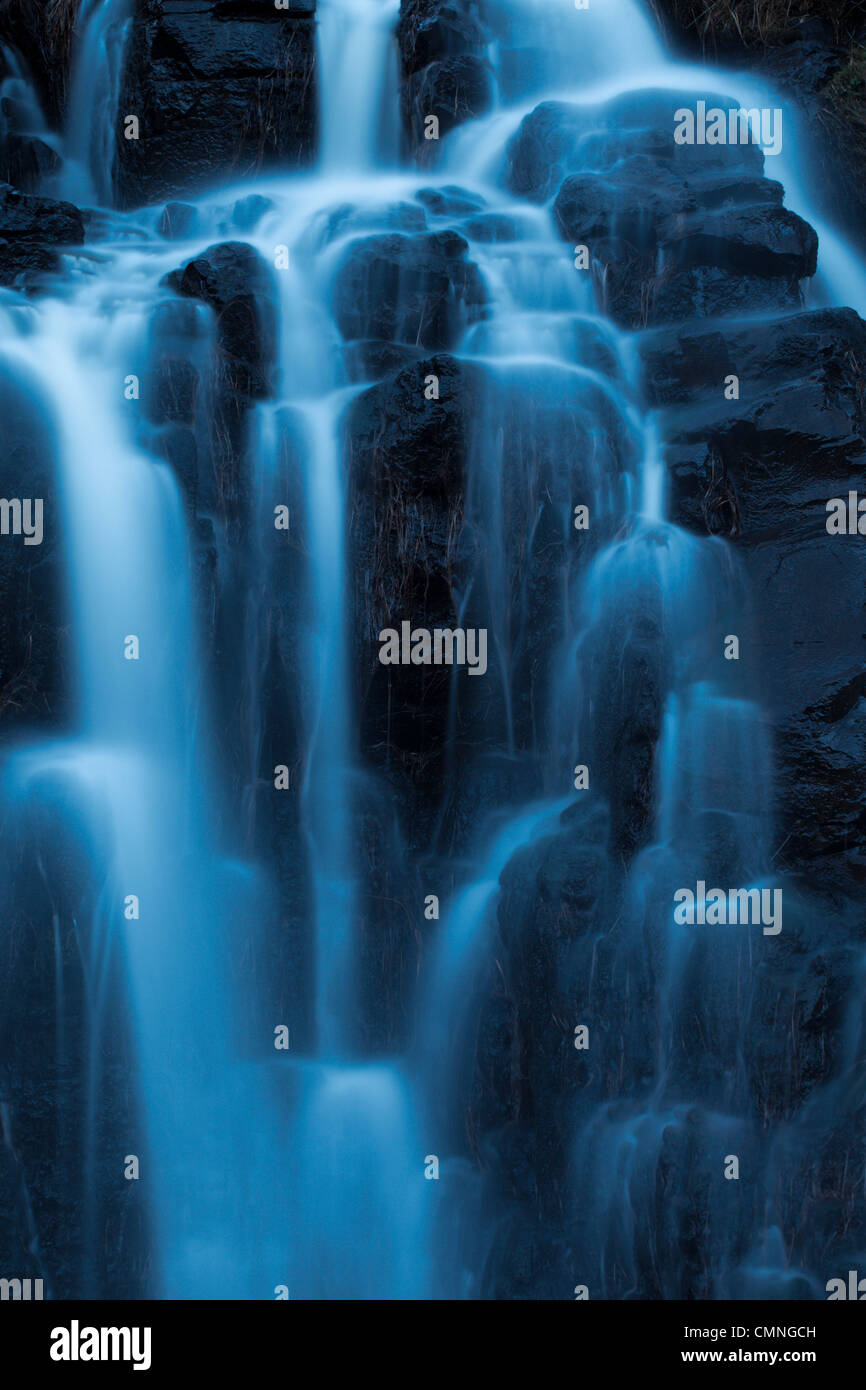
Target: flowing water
x=102 y=30
x=307 y=1169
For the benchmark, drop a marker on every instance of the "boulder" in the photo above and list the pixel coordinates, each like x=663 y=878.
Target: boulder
x=445 y=74
x=540 y=153
x=450 y=201
x=346 y=220
x=27 y=160
x=763 y=242
x=33 y=232
x=669 y=247
x=408 y=289
x=235 y=282
x=491 y=227
x=248 y=212
x=178 y=221
x=454 y=90
x=560 y=138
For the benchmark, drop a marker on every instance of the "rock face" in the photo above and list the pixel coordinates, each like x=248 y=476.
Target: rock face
x=212 y=358
x=45 y=47
x=233 y=280
x=33 y=652
x=221 y=88
x=761 y=469
x=420 y=290
x=445 y=74
x=33 y=232
x=407 y=468
x=760 y=411
x=683 y=247
x=817 y=59
x=672 y=230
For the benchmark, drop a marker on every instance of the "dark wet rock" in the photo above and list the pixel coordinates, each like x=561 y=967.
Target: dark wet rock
x=406 y=460
x=348 y=220
x=541 y=152
x=491 y=227
x=445 y=74
x=800 y=395
x=454 y=91
x=220 y=89
x=589 y=207
x=425 y=456
x=817 y=62
x=449 y=201
x=43 y=49
x=34 y=625
x=763 y=242
x=421 y=290
x=214 y=391
x=234 y=281
x=702 y=292
x=23 y=215
x=248 y=212
x=33 y=232
x=25 y=160
x=647 y=205
x=668 y=248
x=178 y=221
x=558 y=138
x=551 y=920
x=681 y=366
x=490 y=779
x=175 y=391
x=176 y=442
x=761 y=470
x=596 y=349
x=370 y=359
x=390 y=924
x=629 y=690
x=734 y=190
x=430 y=30
x=812 y=989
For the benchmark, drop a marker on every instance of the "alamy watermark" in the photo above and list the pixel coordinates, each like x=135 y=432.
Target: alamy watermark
x=736 y=126
x=439 y=646
x=77 y=1343
x=22 y=516
x=720 y=907
x=25 y=1290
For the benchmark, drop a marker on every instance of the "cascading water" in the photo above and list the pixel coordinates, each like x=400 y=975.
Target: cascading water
x=306 y=1171
x=102 y=31
x=675 y=596
x=359 y=92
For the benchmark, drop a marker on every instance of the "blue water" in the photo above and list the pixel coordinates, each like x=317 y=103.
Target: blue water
x=305 y=1168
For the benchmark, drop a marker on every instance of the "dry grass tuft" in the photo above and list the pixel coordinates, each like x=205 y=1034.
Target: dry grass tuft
x=721 y=23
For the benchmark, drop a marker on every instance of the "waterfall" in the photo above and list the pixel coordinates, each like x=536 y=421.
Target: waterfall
x=366 y=1159
x=713 y=759
x=546 y=47
x=358 y=93
x=102 y=30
